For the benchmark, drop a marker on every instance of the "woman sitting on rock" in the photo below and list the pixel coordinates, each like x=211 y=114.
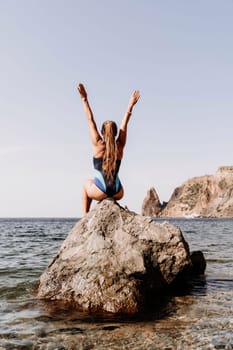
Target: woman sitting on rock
x=108 y=153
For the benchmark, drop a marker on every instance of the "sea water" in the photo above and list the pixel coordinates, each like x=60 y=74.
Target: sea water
x=199 y=317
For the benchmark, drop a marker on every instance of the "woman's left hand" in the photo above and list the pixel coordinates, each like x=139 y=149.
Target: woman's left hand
x=134 y=98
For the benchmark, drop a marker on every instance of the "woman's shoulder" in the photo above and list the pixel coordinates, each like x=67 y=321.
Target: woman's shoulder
x=99 y=149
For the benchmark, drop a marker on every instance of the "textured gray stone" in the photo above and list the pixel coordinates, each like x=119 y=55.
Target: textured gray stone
x=112 y=259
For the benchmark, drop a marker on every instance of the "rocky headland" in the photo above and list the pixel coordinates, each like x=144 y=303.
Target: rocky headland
x=114 y=260
x=203 y=196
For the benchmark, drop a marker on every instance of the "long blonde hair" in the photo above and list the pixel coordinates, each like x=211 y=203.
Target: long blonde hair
x=109 y=132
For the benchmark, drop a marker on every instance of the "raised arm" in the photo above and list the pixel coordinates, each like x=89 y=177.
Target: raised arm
x=95 y=136
x=123 y=129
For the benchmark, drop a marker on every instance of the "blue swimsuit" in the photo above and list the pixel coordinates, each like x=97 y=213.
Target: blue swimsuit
x=101 y=181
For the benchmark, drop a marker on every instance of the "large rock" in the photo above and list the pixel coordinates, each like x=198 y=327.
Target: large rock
x=151 y=205
x=203 y=196
x=113 y=260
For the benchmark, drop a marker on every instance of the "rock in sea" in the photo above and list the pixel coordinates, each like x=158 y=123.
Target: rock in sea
x=113 y=259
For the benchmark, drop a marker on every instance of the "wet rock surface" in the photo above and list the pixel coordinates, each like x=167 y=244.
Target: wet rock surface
x=114 y=260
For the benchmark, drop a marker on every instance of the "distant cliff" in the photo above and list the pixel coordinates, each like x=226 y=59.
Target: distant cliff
x=203 y=196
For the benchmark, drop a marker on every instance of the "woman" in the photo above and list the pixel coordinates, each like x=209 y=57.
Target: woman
x=108 y=153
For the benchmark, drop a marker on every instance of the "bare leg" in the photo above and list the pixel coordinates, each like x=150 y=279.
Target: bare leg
x=86 y=201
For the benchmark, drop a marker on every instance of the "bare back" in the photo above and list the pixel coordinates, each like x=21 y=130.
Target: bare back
x=99 y=149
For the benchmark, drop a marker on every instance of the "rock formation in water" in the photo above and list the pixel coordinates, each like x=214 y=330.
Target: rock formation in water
x=204 y=196
x=113 y=260
x=151 y=204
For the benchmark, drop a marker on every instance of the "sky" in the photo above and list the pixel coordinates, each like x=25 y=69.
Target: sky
x=179 y=54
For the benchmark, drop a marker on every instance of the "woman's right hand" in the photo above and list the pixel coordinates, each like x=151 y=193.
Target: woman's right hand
x=82 y=91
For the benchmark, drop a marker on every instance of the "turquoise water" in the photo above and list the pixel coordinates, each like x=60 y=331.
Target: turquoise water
x=201 y=317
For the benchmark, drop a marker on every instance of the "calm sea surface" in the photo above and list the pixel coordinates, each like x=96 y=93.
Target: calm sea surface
x=199 y=318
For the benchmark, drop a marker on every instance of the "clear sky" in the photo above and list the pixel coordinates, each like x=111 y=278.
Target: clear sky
x=179 y=54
